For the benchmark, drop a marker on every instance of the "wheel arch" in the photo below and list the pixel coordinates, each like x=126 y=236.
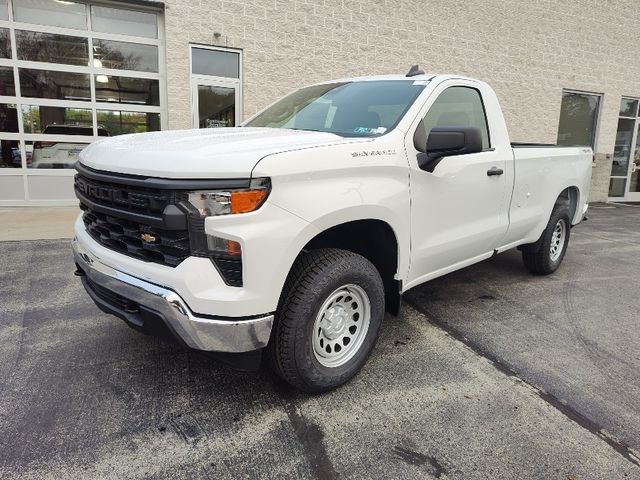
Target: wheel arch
x=570 y=196
x=374 y=239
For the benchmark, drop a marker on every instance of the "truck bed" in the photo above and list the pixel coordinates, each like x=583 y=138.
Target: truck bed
x=541 y=173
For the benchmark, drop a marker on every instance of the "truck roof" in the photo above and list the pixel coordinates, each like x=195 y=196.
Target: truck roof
x=395 y=76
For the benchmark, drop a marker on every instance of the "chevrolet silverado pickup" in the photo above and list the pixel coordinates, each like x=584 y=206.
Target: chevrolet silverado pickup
x=290 y=236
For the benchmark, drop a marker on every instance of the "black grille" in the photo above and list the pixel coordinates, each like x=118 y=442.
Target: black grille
x=142 y=217
x=138 y=221
x=169 y=247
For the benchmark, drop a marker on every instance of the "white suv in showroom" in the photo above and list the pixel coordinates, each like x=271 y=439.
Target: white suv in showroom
x=56 y=154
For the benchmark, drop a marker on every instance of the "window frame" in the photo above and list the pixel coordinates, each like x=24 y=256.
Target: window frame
x=196 y=79
x=596 y=128
x=489 y=147
x=634 y=139
x=93 y=104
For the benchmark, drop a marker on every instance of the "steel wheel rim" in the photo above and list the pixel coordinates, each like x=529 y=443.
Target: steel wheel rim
x=557 y=240
x=341 y=325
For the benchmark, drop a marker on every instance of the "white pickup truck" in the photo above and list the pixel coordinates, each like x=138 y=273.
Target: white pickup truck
x=291 y=235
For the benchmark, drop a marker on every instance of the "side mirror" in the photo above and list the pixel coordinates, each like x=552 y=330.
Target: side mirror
x=445 y=142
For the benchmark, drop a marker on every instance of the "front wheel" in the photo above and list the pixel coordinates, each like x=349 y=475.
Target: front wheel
x=545 y=256
x=328 y=319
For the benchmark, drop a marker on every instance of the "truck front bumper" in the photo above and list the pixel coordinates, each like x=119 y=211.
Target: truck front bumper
x=144 y=306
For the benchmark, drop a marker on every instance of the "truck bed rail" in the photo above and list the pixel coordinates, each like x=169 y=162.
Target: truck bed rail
x=542 y=145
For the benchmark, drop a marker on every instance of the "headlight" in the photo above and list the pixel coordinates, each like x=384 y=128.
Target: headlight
x=225 y=254
x=217 y=202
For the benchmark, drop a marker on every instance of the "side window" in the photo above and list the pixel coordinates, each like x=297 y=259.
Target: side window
x=458 y=107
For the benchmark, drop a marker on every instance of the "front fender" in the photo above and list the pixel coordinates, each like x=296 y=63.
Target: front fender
x=329 y=202
x=332 y=185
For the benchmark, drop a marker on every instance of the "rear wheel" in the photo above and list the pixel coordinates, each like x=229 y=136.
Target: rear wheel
x=545 y=256
x=328 y=319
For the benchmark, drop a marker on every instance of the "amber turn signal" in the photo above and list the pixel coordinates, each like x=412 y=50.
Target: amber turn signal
x=247 y=200
x=225 y=202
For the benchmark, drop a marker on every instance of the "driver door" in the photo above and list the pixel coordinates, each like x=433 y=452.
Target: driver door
x=459 y=212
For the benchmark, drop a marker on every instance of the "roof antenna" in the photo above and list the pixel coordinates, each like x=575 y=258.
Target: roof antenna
x=414 y=70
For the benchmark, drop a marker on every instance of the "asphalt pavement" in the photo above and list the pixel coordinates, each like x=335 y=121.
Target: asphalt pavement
x=488 y=373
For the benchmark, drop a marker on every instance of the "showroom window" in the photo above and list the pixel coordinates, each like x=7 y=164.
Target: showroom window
x=70 y=73
x=578 y=118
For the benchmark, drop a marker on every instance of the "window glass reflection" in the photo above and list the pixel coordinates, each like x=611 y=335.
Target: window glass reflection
x=4 y=10
x=49 y=47
x=51 y=84
x=125 y=55
x=7 y=84
x=42 y=119
x=459 y=106
x=215 y=62
x=622 y=149
x=617 y=187
x=634 y=185
x=51 y=12
x=216 y=106
x=119 y=122
x=578 y=118
x=628 y=107
x=125 y=22
x=140 y=91
x=5 y=43
x=10 y=154
x=53 y=154
x=8 y=118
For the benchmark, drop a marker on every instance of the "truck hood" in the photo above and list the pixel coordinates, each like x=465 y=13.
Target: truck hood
x=205 y=153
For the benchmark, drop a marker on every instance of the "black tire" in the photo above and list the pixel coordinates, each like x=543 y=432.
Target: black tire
x=538 y=256
x=314 y=277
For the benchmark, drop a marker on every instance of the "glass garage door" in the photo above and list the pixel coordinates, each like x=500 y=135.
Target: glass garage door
x=70 y=73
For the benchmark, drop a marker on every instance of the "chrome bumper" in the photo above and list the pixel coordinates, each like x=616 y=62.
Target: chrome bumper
x=201 y=333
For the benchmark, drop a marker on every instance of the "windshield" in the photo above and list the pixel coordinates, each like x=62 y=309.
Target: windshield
x=354 y=109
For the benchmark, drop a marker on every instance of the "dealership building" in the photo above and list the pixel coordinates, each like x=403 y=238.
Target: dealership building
x=72 y=72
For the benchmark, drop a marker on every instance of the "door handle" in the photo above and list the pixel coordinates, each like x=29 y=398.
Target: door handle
x=494 y=171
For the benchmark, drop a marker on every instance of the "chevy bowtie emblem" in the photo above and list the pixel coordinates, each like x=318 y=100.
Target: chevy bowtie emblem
x=148 y=238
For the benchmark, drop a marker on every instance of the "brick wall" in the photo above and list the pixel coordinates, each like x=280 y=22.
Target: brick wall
x=529 y=51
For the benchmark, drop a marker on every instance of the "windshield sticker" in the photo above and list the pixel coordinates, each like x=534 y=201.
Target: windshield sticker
x=420 y=82
x=369 y=131
x=373 y=153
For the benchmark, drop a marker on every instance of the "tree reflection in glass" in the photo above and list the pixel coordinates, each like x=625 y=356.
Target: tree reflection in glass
x=125 y=56
x=52 y=84
x=52 y=48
